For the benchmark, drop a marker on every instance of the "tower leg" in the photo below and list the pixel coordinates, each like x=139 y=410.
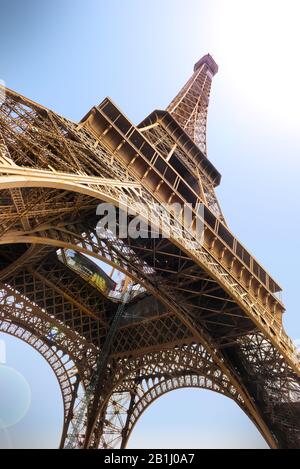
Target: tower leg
x=70 y=413
x=126 y=426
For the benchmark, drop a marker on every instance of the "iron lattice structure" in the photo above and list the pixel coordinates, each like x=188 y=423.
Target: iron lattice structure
x=207 y=314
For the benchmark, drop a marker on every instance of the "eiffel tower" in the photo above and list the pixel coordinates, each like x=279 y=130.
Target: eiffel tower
x=202 y=311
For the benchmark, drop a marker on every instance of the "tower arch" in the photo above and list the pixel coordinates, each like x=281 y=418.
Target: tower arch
x=61 y=364
x=152 y=376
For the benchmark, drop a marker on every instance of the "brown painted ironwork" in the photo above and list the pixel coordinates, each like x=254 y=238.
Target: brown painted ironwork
x=208 y=315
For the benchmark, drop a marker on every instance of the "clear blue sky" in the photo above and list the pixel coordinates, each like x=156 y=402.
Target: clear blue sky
x=69 y=55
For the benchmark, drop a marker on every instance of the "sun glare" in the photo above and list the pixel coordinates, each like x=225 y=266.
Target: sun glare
x=258 y=43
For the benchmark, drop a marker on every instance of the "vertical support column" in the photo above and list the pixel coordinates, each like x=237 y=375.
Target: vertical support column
x=70 y=412
x=126 y=426
x=85 y=418
x=98 y=430
x=93 y=415
x=114 y=422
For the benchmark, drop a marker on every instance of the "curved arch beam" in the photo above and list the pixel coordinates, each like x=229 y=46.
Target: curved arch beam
x=137 y=409
x=61 y=364
x=150 y=376
x=164 y=387
x=21 y=312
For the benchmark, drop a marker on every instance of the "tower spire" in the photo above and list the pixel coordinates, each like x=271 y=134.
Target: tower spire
x=189 y=107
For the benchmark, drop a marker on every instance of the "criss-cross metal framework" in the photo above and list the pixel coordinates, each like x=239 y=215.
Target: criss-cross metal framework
x=207 y=314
